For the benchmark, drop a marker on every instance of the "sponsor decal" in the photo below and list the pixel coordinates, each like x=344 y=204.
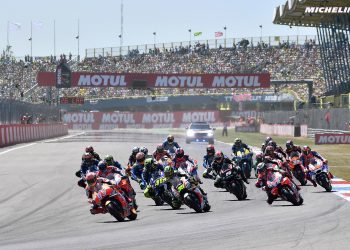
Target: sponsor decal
x=327 y=10
x=332 y=138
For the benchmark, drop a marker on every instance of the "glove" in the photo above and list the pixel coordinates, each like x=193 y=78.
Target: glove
x=264 y=188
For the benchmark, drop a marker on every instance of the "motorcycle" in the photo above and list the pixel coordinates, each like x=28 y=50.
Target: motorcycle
x=297 y=169
x=233 y=182
x=163 y=190
x=319 y=171
x=243 y=160
x=283 y=187
x=192 y=197
x=115 y=203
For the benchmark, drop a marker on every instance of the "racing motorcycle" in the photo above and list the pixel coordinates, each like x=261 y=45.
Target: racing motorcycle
x=115 y=203
x=283 y=187
x=243 y=160
x=319 y=171
x=163 y=190
x=233 y=182
x=192 y=197
x=297 y=169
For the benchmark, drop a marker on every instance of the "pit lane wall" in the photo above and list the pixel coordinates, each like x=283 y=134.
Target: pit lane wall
x=112 y=120
x=20 y=133
x=284 y=130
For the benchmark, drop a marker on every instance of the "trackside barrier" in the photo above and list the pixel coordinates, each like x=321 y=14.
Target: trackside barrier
x=19 y=133
x=283 y=129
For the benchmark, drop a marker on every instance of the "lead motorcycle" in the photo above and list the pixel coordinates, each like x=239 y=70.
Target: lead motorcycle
x=297 y=168
x=193 y=197
x=113 y=201
x=282 y=186
x=319 y=172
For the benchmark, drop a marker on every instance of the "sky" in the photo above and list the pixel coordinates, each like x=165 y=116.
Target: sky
x=99 y=22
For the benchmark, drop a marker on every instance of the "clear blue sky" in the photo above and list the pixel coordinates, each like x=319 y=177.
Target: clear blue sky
x=100 y=22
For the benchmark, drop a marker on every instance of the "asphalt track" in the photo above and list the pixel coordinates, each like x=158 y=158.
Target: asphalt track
x=41 y=207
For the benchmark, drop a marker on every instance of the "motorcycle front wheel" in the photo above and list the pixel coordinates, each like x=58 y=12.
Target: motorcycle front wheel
x=115 y=209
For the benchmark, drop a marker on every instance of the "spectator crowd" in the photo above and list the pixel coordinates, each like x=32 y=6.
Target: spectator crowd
x=283 y=62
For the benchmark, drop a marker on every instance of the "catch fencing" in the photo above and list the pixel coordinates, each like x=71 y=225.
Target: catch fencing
x=11 y=112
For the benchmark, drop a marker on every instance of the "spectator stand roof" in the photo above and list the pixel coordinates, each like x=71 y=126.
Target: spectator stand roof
x=292 y=13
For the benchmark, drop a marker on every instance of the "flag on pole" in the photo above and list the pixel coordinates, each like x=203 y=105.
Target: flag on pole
x=14 y=26
x=197 y=33
x=218 y=34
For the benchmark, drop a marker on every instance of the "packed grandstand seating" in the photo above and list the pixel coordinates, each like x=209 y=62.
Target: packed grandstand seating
x=283 y=62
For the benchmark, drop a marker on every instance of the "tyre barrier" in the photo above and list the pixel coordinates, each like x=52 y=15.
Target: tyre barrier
x=20 y=133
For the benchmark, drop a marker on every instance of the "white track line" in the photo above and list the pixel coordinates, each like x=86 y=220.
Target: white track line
x=32 y=144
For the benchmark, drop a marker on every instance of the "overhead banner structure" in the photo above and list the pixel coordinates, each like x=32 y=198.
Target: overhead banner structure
x=111 y=120
x=131 y=80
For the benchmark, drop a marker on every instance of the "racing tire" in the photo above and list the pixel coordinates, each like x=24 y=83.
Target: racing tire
x=289 y=196
x=114 y=208
x=133 y=214
x=158 y=201
x=192 y=201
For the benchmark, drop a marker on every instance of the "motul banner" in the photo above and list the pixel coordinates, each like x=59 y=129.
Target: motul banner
x=111 y=120
x=332 y=138
x=128 y=80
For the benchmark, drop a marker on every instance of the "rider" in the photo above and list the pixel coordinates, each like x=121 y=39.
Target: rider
x=265 y=172
x=259 y=157
x=291 y=148
x=306 y=157
x=137 y=169
x=240 y=146
x=180 y=158
x=107 y=171
x=109 y=160
x=89 y=164
x=209 y=157
x=169 y=144
x=152 y=169
x=220 y=162
x=264 y=145
x=160 y=153
x=277 y=149
x=94 y=185
x=93 y=153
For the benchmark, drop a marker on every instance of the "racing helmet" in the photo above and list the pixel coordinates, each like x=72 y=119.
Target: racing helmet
x=210 y=149
x=289 y=144
x=269 y=151
x=144 y=150
x=272 y=144
x=306 y=150
x=140 y=157
x=109 y=160
x=91 y=179
x=170 y=139
x=87 y=157
x=238 y=142
x=168 y=172
x=218 y=157
x=102 y=166
x=267 y=140
x=89 y=149
x=149 y=162
x=160 y=148
x=135 y=150
x=179 y=152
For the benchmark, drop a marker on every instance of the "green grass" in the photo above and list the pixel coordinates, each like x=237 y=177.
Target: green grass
x=338 y=155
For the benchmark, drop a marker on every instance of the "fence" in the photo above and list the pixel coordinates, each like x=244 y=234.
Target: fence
x=337 y=118
x=213 y=43
x=11 y=112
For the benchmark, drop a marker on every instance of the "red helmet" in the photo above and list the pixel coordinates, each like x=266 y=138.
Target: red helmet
x=269 y=151
x=179 y=152
x=306 y=150
x=140 y=157
x=89 y=149
x=91 y=179
x=210 y=149
x=160 y=148
x=259 y=156
x=219 y=156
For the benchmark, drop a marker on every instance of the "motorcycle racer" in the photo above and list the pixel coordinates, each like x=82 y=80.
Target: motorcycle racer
x=137 y=170
x=89 y=164
x=180 y=158
x=132 y=157
x=170 y=144
x=291 y=148
x=91 y=150
x=159 y=153
x=109 y=160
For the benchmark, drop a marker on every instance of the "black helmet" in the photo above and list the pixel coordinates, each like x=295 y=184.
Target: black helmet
x=268 y=139
x=102 y=165
x=210 y=149
x=238 y=142
x=269 y=151
x=144 y=150
x=289 y=144
x=179 y=152
x=160 y=148
x=272 y=144
x=306 y=150
x=135 y=150
x=170 y=139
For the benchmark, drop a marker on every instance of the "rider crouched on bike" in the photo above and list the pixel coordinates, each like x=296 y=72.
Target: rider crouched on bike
x=89 y=164
x=132 y=157
x=208 y=158
x=109 y=160
x=240 y=146
x=292 y=149
x=137 y=170
x=93 y=153
x=180 y=158
x=170 y=144
x=306 y=158
x=270 y=155
x=265 y=172
x=160 y=153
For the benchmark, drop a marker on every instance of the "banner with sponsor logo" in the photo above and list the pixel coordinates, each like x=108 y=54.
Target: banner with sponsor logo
x=128 y=80
x=248 y=97
x=111 y=120
x=332 y=138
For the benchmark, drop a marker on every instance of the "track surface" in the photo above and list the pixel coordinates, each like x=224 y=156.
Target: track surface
x=41 y=207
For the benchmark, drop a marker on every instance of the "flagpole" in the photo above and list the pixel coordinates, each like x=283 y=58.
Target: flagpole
x=8 y=25
x=54 y=39
x=78 y=42
x=31 y=40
